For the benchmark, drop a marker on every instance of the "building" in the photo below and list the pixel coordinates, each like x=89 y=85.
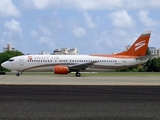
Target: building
x=127 y=47
x=65 y=51
x=73 y=51
x=44 y=53
x=155 y=51
x=158 y=52
x=8 y=47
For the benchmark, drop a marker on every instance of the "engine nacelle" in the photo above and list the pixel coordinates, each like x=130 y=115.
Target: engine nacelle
x=61 y=70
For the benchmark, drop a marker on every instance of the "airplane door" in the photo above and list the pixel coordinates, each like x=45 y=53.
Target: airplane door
x=124 y=62
x=21 y=61
x=68 y=61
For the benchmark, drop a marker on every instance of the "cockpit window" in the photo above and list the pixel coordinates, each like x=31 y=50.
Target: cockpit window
x=10 y=60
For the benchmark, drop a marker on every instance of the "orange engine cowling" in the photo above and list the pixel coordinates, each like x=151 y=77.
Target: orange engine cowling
x=61 y=70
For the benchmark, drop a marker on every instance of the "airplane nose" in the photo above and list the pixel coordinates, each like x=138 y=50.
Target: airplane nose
x=4 y=65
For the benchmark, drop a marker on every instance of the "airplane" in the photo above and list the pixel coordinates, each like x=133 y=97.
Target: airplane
x=64 y=64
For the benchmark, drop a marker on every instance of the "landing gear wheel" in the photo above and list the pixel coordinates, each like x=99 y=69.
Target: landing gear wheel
x=78 y=74
x=17 y=74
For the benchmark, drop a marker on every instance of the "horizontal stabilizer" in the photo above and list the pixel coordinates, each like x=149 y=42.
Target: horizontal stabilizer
x=145 y=57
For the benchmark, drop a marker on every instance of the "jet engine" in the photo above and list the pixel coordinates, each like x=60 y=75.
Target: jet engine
x=61 y=70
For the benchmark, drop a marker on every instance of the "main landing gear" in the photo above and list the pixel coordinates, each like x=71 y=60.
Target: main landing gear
x=78 y=74
x=18 y=74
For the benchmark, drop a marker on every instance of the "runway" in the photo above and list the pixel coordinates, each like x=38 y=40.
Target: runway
x=63 y=98
x=70 y=80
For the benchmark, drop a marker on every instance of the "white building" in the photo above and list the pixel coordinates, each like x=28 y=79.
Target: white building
x=73 y=51
x=155 y=51
x=65 y=51
x=44 y=53
x=8 y=47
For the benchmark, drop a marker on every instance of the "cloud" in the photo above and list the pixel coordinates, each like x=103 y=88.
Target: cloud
x=9 y=34
x=13 y=25
x=44 y=40
x=34 y=33
x=79 y=32
x=7 y=8
x=89 y=21
x=141 y=4
x=42 y=4
x=121 y=19
x=44 y=30
x=113 y=41
x=72 y=4
x=93 y=4
x=48 y=42
x=146 y=20
x=2 y=42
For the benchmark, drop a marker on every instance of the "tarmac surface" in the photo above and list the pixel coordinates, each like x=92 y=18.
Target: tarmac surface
x=64 y=98
x=70 y=80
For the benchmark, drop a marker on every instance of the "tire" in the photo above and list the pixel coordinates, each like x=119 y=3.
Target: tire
x=78 y=74
x=17 y=74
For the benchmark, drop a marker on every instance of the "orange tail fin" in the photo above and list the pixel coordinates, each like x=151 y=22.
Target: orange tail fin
x=139 y=47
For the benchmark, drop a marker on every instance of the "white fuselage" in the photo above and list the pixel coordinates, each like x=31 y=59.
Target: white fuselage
x=46 y=63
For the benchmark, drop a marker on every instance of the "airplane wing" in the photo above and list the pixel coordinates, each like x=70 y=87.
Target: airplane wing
x=82 y=66
x=145 y=57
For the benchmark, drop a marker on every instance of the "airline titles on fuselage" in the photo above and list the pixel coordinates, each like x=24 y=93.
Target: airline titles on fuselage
x=43 y=58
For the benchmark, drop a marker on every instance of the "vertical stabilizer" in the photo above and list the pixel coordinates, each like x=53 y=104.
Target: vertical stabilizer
x=139 y=47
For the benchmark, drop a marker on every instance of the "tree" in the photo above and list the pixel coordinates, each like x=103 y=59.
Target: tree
x=153 y=65
x=6 y=55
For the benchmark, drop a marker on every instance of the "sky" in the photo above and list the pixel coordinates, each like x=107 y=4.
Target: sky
x=92 y=26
